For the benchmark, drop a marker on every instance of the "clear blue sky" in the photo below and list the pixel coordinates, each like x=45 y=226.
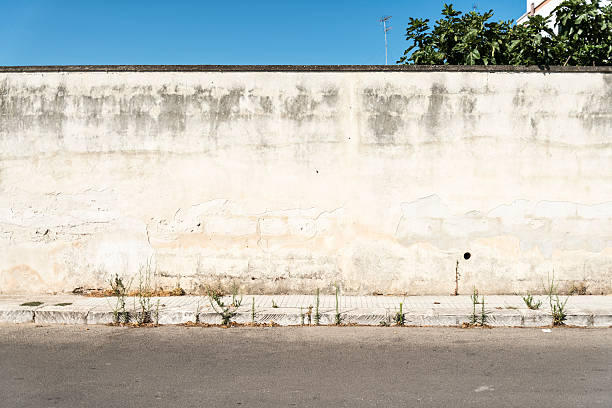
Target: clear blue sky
x=46 y=32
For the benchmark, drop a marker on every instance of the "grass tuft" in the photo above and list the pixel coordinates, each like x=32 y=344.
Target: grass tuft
x=557 y=306
x=531 y=303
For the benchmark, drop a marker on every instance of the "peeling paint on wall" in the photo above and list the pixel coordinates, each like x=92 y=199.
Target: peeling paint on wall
x=286 y=182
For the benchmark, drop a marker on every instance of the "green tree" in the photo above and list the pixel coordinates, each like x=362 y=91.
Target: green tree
x=531 y=43
x=584 y=33
x=583 y=37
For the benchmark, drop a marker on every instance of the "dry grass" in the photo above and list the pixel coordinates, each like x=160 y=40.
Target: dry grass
x=159 y=292
x=578 y=288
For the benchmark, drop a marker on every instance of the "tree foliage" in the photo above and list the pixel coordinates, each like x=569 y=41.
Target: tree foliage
x=582 y=35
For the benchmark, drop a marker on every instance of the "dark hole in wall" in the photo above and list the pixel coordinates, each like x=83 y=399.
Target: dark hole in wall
x=467 y=256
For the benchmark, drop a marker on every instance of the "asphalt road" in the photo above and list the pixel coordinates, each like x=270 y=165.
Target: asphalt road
x=99 y=366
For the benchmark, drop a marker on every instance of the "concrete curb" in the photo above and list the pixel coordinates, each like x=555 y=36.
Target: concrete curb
x=502 y=311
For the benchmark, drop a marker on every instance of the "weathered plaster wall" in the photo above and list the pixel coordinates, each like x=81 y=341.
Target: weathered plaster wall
x=288 y=181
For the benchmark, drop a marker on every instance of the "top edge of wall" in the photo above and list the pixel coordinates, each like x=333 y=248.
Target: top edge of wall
x=303 y=68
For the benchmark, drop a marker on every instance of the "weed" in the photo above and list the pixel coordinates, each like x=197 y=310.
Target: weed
x=156 y=314
x=120 y=290
x=227 y=312
x=387 y=320
x=309 y=314
x=476 y=319
x=31 y=304
x=274 y=305
x=302 y=316
x=317 y=315
x=474 y=298
x=197 y=312
x=483 y=314
x=63 y=304
x=253 y=310
x=145 y=275
x=338 y=317
x=531 y=303
x=399 y=316
x=557 y=307
x=457 y=276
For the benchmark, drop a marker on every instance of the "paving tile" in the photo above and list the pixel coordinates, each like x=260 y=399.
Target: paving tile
x=583 y=311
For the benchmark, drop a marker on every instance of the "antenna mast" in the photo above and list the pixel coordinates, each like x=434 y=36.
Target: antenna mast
x=384 y=21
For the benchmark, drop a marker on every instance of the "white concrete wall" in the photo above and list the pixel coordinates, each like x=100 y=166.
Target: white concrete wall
x=288 y=181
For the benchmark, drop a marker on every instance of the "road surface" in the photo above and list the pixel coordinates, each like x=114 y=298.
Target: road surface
x=173 y=366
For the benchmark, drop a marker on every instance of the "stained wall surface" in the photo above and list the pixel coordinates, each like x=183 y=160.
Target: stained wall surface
x=290 y=181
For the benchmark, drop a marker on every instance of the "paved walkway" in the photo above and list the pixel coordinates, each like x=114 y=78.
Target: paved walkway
x=583 y=311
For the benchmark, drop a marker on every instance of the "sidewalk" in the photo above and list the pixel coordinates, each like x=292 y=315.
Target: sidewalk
x=582 y=311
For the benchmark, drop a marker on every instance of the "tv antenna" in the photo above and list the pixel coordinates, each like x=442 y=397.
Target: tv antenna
x=384 y=20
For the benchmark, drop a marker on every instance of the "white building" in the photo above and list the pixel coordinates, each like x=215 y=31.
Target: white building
x=542 y=8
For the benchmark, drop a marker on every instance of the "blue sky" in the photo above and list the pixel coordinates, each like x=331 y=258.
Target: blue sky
x=46 y=32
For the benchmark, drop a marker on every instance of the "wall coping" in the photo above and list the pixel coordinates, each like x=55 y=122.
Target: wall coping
x=305 y=68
